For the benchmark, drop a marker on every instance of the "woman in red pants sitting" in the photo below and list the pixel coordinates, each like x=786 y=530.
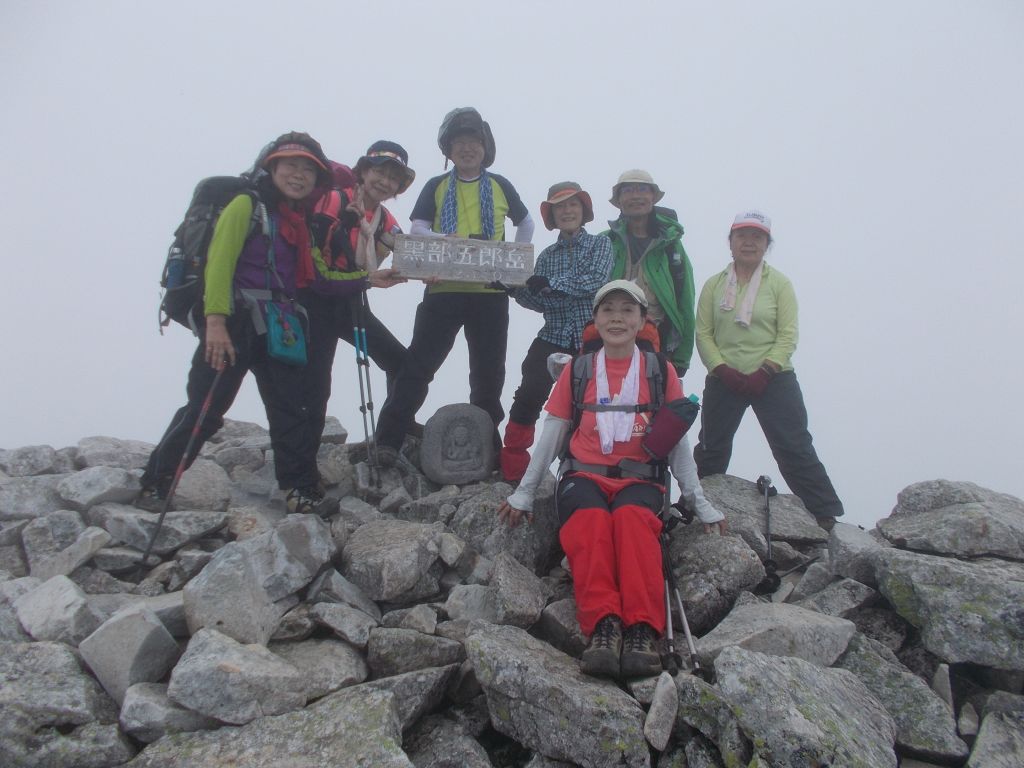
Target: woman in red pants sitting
x=610 y=494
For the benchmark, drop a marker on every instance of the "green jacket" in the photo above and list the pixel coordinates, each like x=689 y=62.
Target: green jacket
x=669 y=275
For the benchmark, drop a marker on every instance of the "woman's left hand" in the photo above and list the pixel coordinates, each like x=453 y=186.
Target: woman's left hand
x=511 y=515
x=385 y=278
x=721 y=527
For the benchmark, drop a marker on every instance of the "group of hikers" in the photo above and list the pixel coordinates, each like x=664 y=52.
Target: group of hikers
x=304 y=245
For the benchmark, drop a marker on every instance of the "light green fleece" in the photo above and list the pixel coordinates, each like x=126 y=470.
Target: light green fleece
x=772 y=334
x=229 y=236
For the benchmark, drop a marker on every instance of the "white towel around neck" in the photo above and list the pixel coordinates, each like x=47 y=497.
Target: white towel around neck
x=746 y=310
x=617 y=426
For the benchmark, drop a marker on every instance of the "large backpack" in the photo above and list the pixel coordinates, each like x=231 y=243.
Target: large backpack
x=182 y=279
x=656 y=371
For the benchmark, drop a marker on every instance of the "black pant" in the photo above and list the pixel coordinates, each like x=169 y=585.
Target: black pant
x=783 y=418
x=536 y=384
x=331 y=319
x=484 y=318
x=280 y=387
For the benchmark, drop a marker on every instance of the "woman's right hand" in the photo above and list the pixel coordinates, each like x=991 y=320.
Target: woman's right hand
x=509 y=514
x=734 y=380
x=219 y=349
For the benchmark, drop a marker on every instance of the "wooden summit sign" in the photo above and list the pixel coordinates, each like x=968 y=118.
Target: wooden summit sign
x=467 y=261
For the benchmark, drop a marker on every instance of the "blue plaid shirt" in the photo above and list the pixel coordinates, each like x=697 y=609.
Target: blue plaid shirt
x=575 y=268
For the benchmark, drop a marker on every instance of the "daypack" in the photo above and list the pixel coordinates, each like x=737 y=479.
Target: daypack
x=335 y=272
x=666 y=427
x=182 y=280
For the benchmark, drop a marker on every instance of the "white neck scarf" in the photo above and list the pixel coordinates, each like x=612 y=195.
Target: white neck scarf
x=617 y=426
x=366 y=247
x=746 y=309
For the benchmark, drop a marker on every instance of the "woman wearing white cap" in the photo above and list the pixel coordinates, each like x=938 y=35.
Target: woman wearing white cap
x=611 y=493
x=564 y=280
x=746 y=336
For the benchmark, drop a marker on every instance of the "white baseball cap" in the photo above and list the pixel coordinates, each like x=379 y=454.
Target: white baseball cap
x=626 y=286
x=752 y=218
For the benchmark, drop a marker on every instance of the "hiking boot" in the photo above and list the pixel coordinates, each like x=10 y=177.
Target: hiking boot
x=640 y=657
x=310 y=501
x=152 y=498
x=601 y=657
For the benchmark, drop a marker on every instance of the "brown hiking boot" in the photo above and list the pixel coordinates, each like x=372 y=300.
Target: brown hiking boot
x=640 y=657
x=601 y=657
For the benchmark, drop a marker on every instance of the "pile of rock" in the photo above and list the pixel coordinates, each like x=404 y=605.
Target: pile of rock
x=412 y=629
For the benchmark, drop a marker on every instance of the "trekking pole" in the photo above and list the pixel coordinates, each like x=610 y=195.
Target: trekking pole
x=771 y=580
x=673 y=661
x=365 y=393
x=182 y=464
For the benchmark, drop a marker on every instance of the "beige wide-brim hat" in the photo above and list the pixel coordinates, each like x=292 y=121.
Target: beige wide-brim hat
x=635 y=176
x=561 y=192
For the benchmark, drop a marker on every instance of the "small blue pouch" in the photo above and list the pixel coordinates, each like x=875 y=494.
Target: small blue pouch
x=286 y=341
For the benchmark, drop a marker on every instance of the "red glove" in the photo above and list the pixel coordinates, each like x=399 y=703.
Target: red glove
x=757 y=381
x=733 y=379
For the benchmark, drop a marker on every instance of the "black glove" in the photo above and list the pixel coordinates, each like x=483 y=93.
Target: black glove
x=497 y=285
x=538 y=285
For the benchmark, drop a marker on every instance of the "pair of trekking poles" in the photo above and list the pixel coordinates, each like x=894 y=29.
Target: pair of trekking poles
x=359 y=311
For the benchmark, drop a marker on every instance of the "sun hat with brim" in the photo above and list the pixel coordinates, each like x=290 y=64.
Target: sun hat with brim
x=559 y=193
x=634 y=291
x=381 y=152
x=635 y=176
x=754 y=219
x=297 y=144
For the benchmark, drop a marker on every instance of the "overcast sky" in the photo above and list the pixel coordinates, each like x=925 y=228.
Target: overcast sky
x=883 y=138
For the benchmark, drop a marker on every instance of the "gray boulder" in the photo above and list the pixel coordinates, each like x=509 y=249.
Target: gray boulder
x=800 y=714
x=331 y=587
x=250 y=584
x=814 y=579
x=394 y=651
x=111 y=452
x=235 y=683
x=350 y=624
x=394 y=560
x=661 y=716
x=23 y=498
x=422 y=618
x=328 y=665
x=883 y=625
x=147 y=714
x=96 y=485
x=1000 y=742
x=48 y=534
x=205 y=485
x=706 y=710
x=741 y=503
x=134 y=527
x=28 y=460
x=416 y=693
x=840 y=598
x=519 y=595
x=960 y=519
x=89 y=542
x=851 y=553
x=436 y=742
x=924 y=723
x=56 y=610
x=52 y=713
x=351 y=727
x=475 y=521
x=559 y=627
x=967 y=612
x=711 y=571
x=778 y=629
x=472 y=601
x=538 y=696
x=132 y=646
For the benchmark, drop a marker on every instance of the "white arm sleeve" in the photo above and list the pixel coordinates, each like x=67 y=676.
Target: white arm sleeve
x=524 y=230
x=685 y=471
x=421 y=227
x=544 y=451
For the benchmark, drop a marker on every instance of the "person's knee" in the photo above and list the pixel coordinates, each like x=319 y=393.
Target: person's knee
x=576 y=493
x=646 y=495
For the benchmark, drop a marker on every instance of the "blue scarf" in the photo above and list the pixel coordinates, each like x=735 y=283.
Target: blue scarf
x=450 y=207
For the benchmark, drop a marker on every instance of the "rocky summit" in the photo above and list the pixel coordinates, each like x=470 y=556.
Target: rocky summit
x=411 y=629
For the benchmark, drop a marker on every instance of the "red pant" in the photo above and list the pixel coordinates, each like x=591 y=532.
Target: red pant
x=611 y=540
